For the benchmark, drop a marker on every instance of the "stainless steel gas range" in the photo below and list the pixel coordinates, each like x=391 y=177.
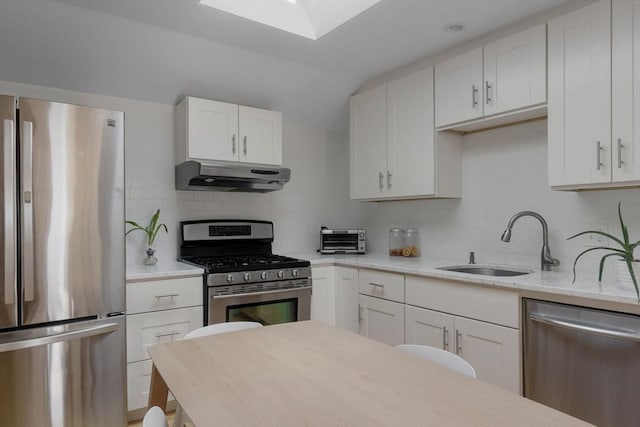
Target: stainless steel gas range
x=243 y=280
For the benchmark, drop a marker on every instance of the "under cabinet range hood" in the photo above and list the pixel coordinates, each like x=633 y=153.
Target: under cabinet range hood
x=192 y=175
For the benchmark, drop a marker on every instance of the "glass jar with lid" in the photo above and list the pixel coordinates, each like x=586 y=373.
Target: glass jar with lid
x=396 y=241
x=411 y=246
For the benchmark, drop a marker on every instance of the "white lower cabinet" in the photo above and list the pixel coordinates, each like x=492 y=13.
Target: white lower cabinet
x=335 y=296
x=161 y=310
x=492 y=350
x=479 y=324
x=381 y=320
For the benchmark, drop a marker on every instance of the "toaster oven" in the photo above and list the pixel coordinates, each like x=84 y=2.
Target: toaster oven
x=342 y=241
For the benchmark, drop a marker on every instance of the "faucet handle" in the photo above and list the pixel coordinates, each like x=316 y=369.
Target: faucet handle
x=472 y=257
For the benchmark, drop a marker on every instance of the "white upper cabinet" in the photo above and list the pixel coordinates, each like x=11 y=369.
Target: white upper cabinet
x=217 y=131
x=594 y=96
x=368 y=143
x=508 y=75
x=411 y=135
x=626 y=90
x=459 y=94
x=515 y=71
x=260 y=135
x=394 y=152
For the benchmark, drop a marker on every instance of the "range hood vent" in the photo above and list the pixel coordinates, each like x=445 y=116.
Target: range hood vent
x=193 y=175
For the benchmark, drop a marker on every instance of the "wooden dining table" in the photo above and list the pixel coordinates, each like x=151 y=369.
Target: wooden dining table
x=311 y=374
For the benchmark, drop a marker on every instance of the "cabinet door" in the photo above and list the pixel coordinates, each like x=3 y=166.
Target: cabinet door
x=427 y=327
x=580 y=96
x=626 y=90
x=323 y=297
x=260 y=136
x=459 y=94
x=381 y=320
x=212 y=130
x=515 y=71
x=368 y=143
x=346 y=280
x=492 y=350
x=411 y=135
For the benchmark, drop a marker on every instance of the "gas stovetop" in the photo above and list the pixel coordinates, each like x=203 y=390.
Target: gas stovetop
x=238 y=252
x=215 y=264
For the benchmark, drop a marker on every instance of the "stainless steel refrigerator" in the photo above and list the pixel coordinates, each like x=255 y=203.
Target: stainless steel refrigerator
x=62 y=296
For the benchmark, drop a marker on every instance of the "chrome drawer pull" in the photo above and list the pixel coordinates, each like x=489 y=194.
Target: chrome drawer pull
x=167 y=334
x=377 y=285
x=167 y=296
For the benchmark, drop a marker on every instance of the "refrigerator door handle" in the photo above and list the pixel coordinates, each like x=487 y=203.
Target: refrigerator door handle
x=9 y=183
x=27 y=212
x=56 y=338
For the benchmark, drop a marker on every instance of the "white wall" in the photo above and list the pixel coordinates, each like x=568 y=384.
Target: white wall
x=317 y=194
x=504 y=172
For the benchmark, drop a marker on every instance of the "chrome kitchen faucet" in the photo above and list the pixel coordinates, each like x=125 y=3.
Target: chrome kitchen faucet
x=546 y=261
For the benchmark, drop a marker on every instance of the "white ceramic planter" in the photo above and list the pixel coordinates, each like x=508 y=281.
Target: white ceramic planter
x=623 y=278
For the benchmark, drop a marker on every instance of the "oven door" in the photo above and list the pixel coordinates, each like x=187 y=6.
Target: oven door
x=266 y=307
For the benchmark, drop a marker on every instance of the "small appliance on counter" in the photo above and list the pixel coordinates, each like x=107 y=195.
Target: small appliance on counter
x=334 y=241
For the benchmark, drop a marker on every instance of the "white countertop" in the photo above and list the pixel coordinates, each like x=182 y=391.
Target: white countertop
x=162 y=270
x=537 y=284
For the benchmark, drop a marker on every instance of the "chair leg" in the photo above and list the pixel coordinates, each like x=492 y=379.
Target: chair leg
x=181 y=419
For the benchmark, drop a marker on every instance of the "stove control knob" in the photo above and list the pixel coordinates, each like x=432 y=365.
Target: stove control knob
x=294 y=273
x=229 y=278
x=280 y=274
x=264 y=275
x=246 y=277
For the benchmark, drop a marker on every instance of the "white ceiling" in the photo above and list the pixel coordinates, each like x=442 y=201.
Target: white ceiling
x=160 y=50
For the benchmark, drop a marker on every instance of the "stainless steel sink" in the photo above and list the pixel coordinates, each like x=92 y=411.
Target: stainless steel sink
x=487 y=270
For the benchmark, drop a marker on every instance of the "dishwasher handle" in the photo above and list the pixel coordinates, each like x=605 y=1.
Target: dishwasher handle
x=586 y=328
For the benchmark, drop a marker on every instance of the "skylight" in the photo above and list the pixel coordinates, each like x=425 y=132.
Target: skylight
x=308 y=18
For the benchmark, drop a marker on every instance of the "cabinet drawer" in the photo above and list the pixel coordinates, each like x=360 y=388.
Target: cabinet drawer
x=473 y=301
x=138 y=381
x=381 y=284
x=164 y=294
x=147 y=329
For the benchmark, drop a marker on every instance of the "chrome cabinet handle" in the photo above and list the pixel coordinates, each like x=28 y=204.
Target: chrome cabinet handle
x=474 y=97
x=620 y=162
x=166 y=296
x=167 y=334
x=244 y=141
x=445 y=342
x=599 y=163
x=377 y=285
x=388 y=179
x=65 y=336
x=9 y=190
x=487 y=87
x=233 y=144
x=27 y=212
x=458 y=342
x=380 y=178
x=582 y=327
x=360 y=318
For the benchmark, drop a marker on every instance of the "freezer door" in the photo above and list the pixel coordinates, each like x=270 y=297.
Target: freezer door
x=72 y=209
x=8 y=206
x=64 y=376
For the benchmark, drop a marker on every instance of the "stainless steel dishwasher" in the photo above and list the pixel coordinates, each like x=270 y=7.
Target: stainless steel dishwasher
x=583 y=362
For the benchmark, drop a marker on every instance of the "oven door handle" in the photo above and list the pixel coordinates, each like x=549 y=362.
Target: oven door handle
x=306 y=289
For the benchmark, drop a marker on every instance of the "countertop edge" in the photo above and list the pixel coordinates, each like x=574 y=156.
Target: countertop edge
x=549 y=286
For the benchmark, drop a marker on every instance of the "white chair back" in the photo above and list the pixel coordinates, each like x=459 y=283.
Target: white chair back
x=155 y=418
x=220 y=328
x=441 y=357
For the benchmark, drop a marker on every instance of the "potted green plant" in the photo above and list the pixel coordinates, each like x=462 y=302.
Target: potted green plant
x=151 y=231
x=628 y=267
